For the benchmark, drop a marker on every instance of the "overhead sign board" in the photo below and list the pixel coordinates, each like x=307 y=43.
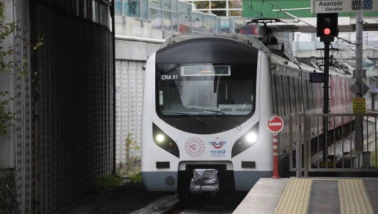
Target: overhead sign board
x=338 y=6
x=359 y=105
x=316 y=77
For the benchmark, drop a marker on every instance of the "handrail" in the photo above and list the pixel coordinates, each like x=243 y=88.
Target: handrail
x=139 y=39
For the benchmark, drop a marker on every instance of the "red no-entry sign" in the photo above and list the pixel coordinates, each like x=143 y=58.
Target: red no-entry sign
x=275 y=124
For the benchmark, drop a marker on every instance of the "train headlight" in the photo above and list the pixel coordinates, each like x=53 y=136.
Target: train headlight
x=159 y=138
x=162 y=140
x=251 y=137
x=246 y=141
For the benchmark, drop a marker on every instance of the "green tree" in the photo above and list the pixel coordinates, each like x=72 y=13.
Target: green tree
x=7 y=67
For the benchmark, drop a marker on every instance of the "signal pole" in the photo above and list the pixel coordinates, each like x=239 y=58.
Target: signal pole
x=327 y=30
x=358 y=80
x=326 y=97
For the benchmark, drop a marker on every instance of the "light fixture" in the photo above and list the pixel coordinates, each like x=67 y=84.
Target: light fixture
x=251 y=138
x=159 y=138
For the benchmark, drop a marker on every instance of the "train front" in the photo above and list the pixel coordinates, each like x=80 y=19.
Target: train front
x=204 y=103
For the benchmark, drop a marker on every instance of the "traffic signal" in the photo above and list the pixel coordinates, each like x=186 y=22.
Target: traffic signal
x=327 y=25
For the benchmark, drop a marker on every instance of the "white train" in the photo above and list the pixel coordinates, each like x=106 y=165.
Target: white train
x=207 y=100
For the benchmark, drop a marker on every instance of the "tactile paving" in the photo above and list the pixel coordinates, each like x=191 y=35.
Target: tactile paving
x=300 y=193
x=295 y=197
x=353 y=197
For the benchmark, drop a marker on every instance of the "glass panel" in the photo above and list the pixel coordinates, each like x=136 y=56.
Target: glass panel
x=94 y=11
x=235 y=4
x=197 y=21
x=144 y=9
x=185 y=11
x=166 y=4
x=155 y=16
x=131 y=8
x=155 y=4
x=185 y=28
x=202 y=4
x=219 y=12
x=218 y=5
x=100 y=15
x=118 y=7
x=167 y=23
x=210 y=23
x=223 y=26
x=174 y=21
x=77 y=5
x=235 y=13
x=174 y=5
x=85 y=14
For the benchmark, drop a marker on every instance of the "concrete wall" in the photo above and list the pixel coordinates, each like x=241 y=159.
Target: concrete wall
x=135 y=41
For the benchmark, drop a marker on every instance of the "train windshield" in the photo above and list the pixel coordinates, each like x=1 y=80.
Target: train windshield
x=203 y=89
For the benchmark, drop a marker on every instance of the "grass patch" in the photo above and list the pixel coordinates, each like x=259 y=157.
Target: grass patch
x=136 y=178
x=374 y=155
x=106 y=183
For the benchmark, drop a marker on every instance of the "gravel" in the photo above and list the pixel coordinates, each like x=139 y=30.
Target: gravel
x=158 y=205
x=125 y=199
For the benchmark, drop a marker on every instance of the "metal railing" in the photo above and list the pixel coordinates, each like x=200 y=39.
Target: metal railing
x=337 y=153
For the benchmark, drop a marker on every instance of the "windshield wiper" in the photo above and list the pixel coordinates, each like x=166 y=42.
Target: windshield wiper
x=191 y=116
x=216 y=111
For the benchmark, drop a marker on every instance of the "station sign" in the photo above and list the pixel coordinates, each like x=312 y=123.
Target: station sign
x=338 y=6
x=316 y=77
x=359 y=105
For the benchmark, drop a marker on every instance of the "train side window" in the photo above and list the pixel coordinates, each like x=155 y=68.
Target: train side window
x=312 y=96
x=300 y=95
x=312 y=105
x=280 y=95
x=294 y=93
x=304 y=95
x=275 y=95
x=290 y=101
x=283 y=95
x=307 y=95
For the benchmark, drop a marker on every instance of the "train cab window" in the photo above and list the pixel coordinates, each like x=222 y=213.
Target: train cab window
x=205 y=89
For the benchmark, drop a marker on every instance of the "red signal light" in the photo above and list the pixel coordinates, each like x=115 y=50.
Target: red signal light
x=327 y=31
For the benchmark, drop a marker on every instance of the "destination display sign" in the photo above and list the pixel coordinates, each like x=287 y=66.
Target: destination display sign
x=236 y=109
x=338 y=6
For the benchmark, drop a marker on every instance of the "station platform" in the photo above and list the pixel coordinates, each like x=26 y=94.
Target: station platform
x=311 y=195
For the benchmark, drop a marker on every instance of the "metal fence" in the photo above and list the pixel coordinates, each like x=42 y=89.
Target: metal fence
x=310 y=152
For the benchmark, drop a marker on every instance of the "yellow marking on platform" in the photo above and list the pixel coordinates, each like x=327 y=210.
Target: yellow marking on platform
x=353 y=197
x=295 y=198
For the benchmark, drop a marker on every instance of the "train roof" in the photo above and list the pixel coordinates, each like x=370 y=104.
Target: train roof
x=276 y=56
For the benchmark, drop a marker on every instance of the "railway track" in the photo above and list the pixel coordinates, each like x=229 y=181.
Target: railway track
x=205 y=204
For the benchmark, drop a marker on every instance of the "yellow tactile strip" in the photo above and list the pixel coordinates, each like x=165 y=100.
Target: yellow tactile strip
x=353 y=197
x=295 y=197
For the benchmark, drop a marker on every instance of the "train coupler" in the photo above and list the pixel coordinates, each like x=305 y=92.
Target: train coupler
x=204 y=180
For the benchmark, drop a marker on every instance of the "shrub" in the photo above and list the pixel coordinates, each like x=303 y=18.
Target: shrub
x=105 y=183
